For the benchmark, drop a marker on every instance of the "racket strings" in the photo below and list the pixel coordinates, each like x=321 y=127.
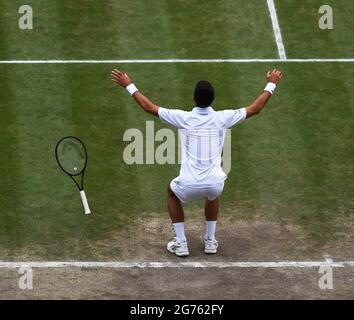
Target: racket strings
x=71 y=156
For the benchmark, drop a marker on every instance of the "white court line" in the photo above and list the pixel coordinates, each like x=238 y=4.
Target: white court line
x=181 y=264
x=276 y=29
x=171 y=61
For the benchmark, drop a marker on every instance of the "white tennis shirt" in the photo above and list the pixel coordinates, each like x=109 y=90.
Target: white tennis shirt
x=202 y=133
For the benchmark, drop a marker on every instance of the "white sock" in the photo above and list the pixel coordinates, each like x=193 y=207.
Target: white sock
x=210 y=230
x=179 y=229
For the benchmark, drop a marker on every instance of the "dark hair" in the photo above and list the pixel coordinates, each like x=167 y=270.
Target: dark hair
x=203 y=94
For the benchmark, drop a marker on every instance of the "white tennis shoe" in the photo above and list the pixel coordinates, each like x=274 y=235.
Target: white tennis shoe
x=180 y=249
x=210 y=246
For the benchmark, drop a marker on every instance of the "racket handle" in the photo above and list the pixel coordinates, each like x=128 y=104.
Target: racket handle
x=84 y=202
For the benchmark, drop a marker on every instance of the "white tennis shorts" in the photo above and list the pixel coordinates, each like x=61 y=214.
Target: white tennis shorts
x=188 y=193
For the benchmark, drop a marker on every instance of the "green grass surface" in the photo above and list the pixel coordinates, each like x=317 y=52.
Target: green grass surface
x=139 y=29
x=292 y=163
x=302 y=36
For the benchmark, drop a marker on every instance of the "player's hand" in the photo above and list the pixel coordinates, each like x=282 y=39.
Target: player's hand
x=120 y=78
x=274 y=76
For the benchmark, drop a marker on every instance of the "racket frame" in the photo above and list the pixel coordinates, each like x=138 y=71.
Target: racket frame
x=82 y=172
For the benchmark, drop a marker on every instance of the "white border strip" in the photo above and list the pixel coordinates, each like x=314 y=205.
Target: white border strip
x=169 y=61
x=165 y=264
x=276 y=29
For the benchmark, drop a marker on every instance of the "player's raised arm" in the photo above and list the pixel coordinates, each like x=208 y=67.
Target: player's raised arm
x=123 y=80
x=273 y=77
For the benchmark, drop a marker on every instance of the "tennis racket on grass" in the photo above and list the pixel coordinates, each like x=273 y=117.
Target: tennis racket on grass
x=71 y=155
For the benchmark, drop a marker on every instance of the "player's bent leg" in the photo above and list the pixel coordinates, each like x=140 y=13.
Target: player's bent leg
x=211 y=216
x=178 y=245
x=174 y=206
x=211 y=209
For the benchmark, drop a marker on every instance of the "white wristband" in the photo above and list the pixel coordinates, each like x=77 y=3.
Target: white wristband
x=131 y=89
x=270 y=87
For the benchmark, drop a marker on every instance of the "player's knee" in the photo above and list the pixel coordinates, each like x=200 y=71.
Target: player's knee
x=170 y=193
x=212 y=200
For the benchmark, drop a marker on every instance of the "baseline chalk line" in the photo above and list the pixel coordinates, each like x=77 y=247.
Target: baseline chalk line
x=141 y=61
x=167 y=264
